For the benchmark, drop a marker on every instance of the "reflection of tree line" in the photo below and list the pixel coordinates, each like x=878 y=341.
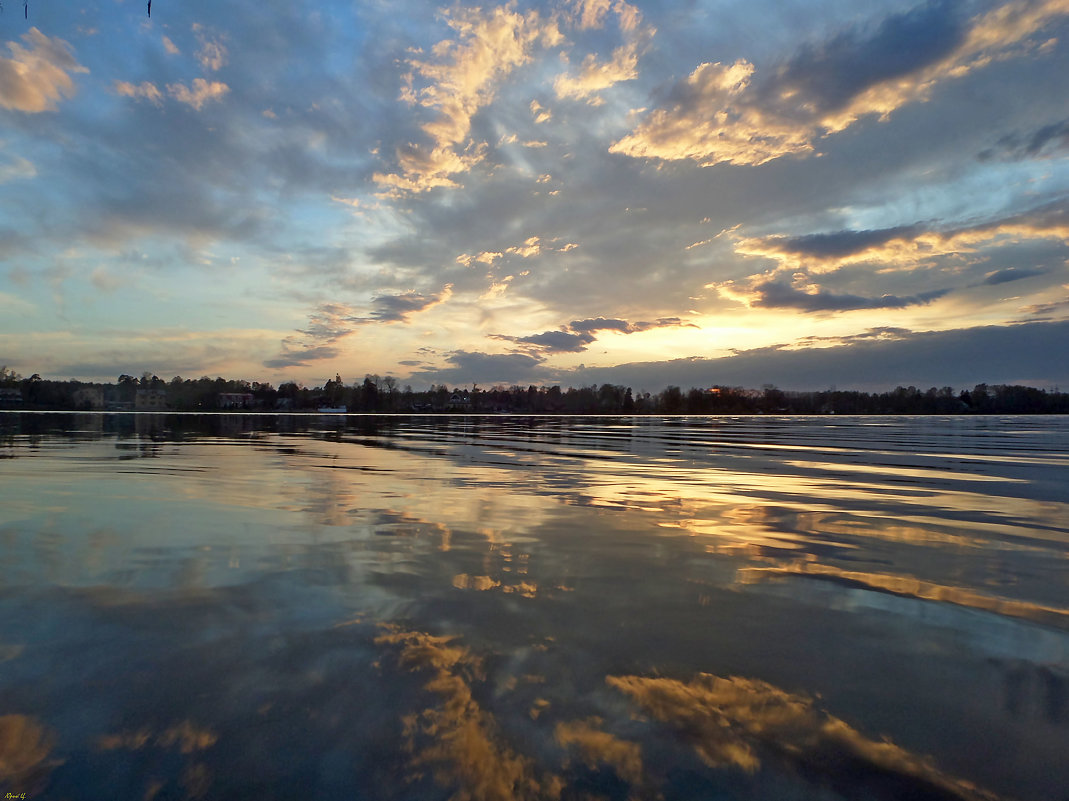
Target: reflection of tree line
x=384 y=394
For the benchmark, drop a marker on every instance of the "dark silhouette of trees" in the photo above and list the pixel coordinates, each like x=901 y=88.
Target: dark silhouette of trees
x=378 y=394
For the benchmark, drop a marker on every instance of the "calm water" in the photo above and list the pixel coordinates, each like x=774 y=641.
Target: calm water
x=262 y=607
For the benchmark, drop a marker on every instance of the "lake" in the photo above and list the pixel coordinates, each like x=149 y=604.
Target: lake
x=347 y=607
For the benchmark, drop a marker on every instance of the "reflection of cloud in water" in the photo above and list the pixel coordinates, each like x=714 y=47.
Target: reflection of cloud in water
x=25 y=746
x=462 y=581
x=742 y=722
x=186 y=736
x=457 y=738
x=598 y=747
x=910 y=587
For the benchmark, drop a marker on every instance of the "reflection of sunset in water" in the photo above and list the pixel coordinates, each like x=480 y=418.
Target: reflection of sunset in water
x=911 y=587
x=485 y=608
x=738 y=722
x=25 y=751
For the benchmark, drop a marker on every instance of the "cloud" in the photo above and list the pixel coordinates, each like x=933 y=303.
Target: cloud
x=170 y=47
x=727 y=114
x=555 y=341
x=195 y=96
x=904 y=247
x=591 y=13
x=460 y=79
x=594 y=76
x=199 y=93
x=1052 y=139
x=329 y=322
x=38 y=74
x=1010 y=274
x=16 y=169
x=398 y=308
x=532 y=246
x=1035 y=354
x=486 y=368
x=624 y=327
x=529 y=248
x=836 y=244
x=301 y=356
x=714 y=122
x=577 y=335
x=600 y=324
x=211 y=53
x=540 y=113
x=144 y=90
x=1044 y=311
x=105 y=280
x=779 y=295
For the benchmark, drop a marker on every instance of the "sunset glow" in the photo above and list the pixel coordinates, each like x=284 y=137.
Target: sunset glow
x=529 y=193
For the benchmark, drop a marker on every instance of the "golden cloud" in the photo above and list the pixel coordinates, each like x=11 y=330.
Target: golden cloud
x=595 y=76
x=718 y=124
x=907 y=248
x=142 y=91
x=211 y=53
x=460 y=79
x=722 y=119
x=38 y=74
x=199 y=93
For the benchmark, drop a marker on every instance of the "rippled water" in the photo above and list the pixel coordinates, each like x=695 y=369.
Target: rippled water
x=259 y=607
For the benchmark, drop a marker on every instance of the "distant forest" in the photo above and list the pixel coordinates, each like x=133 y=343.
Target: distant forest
x=375 y=394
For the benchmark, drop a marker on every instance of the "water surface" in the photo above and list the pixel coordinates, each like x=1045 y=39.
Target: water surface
x=245 y=606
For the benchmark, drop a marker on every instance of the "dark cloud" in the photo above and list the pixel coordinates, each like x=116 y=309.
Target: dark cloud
x=600 y=324
x=487 y=368
x=1044 y=311
x=557 y=341
x=837 y=244
x=662 y=322
x=581 y=334
x=624 y=327
x=779 y=295
x=830 y=74
x=328 y=323
x=1048 y=140
x=879 y=333
x=1011 y=274
x=301 y=357
x=1036 y=354
x=398 y=308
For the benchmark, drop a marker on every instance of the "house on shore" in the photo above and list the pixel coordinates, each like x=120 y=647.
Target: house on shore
x=88 y=398
x=236 y=400
x=150 y=400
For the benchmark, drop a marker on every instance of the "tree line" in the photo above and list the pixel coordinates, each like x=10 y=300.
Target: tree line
x=385 y=394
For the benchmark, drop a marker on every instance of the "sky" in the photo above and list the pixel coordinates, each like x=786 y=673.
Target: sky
x=739 y=192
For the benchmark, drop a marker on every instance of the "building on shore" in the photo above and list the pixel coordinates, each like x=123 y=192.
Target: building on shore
x=88 y=398
x=150 y=400
x=236 y=400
